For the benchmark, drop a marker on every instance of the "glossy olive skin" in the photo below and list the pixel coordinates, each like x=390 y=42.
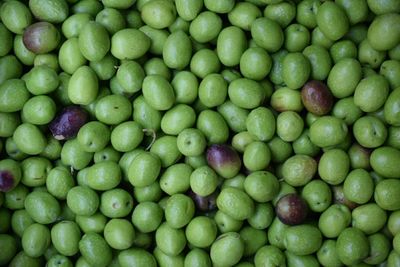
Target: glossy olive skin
x=68 y=122
x=316 y=97
x=41 y=37
x=199 y=133
x=332 y=20
x=328 y=131
x=224 y=160
x=292 y=209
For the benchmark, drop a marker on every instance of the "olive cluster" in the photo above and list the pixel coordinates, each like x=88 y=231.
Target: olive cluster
x=199 y=133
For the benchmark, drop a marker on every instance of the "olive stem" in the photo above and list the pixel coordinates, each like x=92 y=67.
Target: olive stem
x=72 y=170
x=153 y=135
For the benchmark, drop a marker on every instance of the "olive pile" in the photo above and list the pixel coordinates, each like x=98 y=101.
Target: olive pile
x=199 y=133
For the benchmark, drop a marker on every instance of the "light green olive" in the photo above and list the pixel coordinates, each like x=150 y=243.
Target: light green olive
x=83 y=86
x=332 y=20
x=235 y=203
x=267 y=34
x=177 y=50
x=383 y=33
x=70 y=56
x=158 y=92
x=188 y=9
x=29 y=139
x=296 y=69
x=129 y=44
x=231 y=44
x=16 y=16
x=350 y=72
x=94 y=41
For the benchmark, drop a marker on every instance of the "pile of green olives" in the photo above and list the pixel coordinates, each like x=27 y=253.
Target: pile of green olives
x=199 y=133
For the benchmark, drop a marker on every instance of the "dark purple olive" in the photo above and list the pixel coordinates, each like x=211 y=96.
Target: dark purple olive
x=224 y=160
x=339 y=198
x=207 y=203
x=291 y=209
x=316 y=97
x=10 y=174
x=6 y=181
x=68 y=122
x=41 y=37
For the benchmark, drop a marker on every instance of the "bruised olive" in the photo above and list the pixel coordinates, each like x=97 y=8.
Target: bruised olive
x=41 y=37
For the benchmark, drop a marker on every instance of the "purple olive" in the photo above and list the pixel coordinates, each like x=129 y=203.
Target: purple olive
x=224 y=160
x=6 y=181
x=41 y=37
x=207 y=203
x=10 y=174
x=68 y=122
x=291 y=209
x=339 y=198
x=316 y=97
